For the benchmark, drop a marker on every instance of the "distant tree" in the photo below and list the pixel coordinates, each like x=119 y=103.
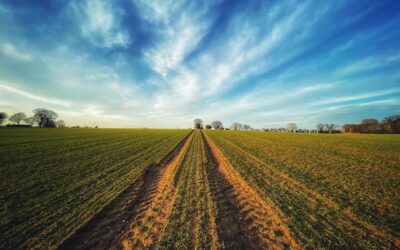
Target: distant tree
x=391 y=124
x=353 y=128
x=346 y=128
x=326 y=128
x=246 y=127
x=29 y=120
x=18 y=117
x=3 y=117
x=291 y=127
x=60 y=124
x=208 y=126
x=45 y=118
x=198 y=123
x=216 y=124
x=370 y=125
x=51 y=124
x=320 y=127
x=330 y=127
x=236 y=126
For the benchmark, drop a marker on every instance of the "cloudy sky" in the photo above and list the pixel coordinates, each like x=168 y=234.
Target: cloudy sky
x=163 y=63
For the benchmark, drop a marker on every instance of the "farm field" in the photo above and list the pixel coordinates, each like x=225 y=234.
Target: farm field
x=53 y=181
x=192 y=189
x=335 y=191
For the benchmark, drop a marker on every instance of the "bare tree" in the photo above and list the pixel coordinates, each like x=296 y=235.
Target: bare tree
x=216 y=124
x=352 y=128
x=3 y=117
x=291 y=127
x=330 y=127
x=29 y=120
x=60 y=124
x=370 y=125
x=45 y=117
x=18 y=117
x=326 y=127
x=198 y=123
x=246 y=127
x=391 y=124
x=346 y=128
x=236 y=126
x=320 y=127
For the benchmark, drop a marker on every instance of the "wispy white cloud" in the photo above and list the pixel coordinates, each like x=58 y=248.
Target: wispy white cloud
x=241 y=52
x=159 y=11
x=180 y=28
x=369 y=63
x=100 y=22
x=264 y=103
x=386 y=102
x=257 y=62
x=17 y=91
x=10 y=51
x=356 y=97
x=96 y=111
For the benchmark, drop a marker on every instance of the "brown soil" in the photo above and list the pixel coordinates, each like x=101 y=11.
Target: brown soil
x=245 y=220
x=100 y=232
x=137 y=218
x=150 y=216
x=335 y=216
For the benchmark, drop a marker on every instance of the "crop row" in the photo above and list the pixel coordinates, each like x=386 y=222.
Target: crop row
x=150 y=215
x=44 y=201
x=192 y=219
x=261 y=224
x=302 y=175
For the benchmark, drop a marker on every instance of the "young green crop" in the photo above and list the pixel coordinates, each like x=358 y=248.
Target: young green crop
x=338 y=190
x=226 y=189
x=54 y=180
x=190 y=222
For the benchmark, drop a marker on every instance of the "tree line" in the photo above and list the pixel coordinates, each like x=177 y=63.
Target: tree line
x=389 y=125
x=217 y=125
x=44 y=118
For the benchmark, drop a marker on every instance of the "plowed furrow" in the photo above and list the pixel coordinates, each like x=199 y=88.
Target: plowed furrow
x=258 y=224
x=103 y=229
x=192 y=223
x=323 y=222
x=100 y=230
x=230 y=233
x=151 y=214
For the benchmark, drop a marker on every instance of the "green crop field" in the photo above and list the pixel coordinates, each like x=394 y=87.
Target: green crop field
x=335 y=190
x=188 y=189
x=54 y=180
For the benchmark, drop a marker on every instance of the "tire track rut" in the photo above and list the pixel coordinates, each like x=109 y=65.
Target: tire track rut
x=139 y=216
x=245 y=220
x=101 y=231
x=150 y=216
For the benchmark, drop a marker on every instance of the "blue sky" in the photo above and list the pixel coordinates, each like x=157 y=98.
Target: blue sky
x=163 y=63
